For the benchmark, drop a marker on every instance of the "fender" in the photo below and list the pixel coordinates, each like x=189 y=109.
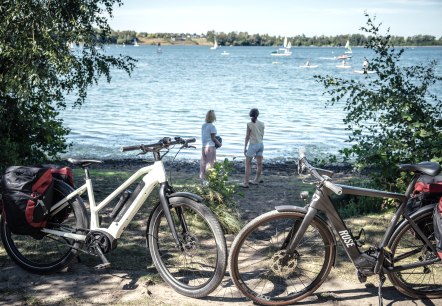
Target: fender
x=288 y=208
x=173 y=199
x=186 y=195
x=303 y=210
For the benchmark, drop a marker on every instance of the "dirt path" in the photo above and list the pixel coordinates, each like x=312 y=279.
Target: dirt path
x=82 y=285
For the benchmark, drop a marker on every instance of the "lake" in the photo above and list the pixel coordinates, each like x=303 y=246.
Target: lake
x=169 y=94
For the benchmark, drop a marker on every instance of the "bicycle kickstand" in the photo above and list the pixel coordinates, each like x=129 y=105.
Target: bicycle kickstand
x=381 y=282
x=106 y=263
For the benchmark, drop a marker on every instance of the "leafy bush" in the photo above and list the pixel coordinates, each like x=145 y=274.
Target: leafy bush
x=392 y=114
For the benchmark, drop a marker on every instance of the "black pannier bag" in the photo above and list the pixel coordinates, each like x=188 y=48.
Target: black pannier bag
x=437 y=223
x=427 y=190
x=27 y=198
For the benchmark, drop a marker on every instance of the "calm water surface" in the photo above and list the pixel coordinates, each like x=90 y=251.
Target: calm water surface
x=170 y=93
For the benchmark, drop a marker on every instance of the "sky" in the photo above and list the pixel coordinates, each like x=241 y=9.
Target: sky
x=279 y=17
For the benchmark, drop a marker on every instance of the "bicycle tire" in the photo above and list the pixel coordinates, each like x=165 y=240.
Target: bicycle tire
x=198 y=269
x=406 y=248
x=262 y=271
x=47 y=253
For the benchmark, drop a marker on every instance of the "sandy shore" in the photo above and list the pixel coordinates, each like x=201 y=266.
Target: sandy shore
x=82 y=285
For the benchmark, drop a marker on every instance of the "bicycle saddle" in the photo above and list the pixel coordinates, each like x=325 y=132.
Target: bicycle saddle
x=429 y=168
x=84 y=162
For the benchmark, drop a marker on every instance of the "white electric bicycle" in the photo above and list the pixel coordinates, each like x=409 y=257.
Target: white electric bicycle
x=185 y=239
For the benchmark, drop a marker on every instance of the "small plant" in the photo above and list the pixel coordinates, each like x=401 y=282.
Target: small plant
x=219 y=178
x=218 y=196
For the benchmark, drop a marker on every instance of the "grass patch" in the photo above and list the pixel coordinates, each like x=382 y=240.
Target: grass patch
x=32 y=301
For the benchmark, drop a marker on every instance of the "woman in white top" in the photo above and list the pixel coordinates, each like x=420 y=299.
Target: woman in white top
x=208 y=140
x=254 y=137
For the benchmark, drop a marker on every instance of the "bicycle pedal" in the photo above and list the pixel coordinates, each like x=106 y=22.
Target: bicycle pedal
x=102 y=266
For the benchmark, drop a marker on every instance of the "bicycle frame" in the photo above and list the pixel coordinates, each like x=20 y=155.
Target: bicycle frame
x=152 y=176
x=321 y=202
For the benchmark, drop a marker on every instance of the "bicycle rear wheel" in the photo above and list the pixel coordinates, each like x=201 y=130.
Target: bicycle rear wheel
x=407 y=248
x=198 y=269
x=47 y=253
x=261 y=269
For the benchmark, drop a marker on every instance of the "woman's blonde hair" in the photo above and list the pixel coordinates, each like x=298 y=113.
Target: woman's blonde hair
x=210 y=116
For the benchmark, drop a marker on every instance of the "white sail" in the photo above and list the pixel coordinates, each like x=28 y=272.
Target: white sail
x=215 y=45
x=347 y=46
x=285 y=42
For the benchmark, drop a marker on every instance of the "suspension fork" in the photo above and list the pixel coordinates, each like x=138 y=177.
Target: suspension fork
x=292 y=232
x=299 y=230
x=164 y=190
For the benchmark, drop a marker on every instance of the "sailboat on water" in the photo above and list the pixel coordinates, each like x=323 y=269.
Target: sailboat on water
x=136 y=43
x=347 y=46
x=284 y=44
x=284 y=50
x=215 y=45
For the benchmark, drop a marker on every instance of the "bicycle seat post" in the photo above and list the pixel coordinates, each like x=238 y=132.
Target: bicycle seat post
x=86 y=173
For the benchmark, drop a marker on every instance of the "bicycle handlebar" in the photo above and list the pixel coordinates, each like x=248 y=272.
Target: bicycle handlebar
x=315 y=172
x=164 y=143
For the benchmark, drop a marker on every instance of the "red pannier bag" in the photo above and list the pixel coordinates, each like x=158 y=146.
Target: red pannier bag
x=427 y=190
x=64 y=174
x=27 y=198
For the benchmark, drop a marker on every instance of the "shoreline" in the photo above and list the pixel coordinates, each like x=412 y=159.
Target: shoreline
x=192 y=165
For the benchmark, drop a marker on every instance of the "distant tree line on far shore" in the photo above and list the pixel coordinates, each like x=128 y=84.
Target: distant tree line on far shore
x=246 y=39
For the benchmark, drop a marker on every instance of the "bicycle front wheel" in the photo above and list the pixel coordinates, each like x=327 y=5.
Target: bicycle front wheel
x=265 y=273
x=198 y=268
x=408 y=248
x=48 y=253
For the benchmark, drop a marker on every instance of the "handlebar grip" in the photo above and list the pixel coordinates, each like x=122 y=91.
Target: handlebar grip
x=191 y=140
x=336 y=189
x=130 y=148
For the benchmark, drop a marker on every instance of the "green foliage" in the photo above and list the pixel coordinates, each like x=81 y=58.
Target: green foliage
x=218 y=196
x=393 y=116
x=218 y=178
x=120 y=37
x=38 y=69
x=352 y=206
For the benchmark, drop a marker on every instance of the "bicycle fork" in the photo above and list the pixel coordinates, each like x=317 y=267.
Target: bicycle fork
x=163 y=192
x=298 y=230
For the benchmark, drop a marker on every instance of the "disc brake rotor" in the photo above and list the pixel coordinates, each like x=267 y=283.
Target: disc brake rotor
x=283 y=264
